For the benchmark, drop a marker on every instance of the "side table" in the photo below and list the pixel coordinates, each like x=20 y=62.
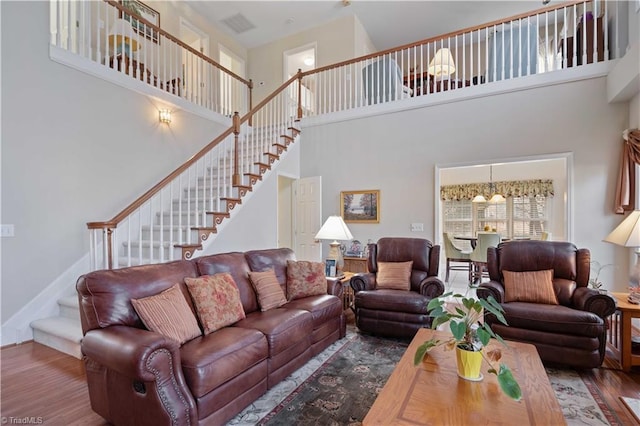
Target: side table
x=621 y=331
x=347 y=296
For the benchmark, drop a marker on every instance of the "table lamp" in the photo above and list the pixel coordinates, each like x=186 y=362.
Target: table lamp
x=627 y=234
x=334 y=229
x=442 y=65
x=122 y=38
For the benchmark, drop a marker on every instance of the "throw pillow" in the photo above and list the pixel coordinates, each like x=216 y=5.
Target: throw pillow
x=305 y=278
x=530 y=286
x=266 y=285
x=394 y=275
x=217 y=300
x=168 y=313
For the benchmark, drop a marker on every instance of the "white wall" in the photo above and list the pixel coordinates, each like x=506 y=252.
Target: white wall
x=397 y=153
x=74 y=149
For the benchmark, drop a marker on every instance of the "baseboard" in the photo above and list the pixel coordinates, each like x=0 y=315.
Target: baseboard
x=17 y=329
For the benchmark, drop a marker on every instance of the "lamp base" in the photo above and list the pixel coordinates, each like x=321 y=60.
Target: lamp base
x=335 y=253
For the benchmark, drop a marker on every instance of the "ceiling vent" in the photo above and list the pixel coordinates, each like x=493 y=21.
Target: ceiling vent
x=238 y=23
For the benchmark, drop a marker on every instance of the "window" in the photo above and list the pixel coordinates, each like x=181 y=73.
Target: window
x=517 y=217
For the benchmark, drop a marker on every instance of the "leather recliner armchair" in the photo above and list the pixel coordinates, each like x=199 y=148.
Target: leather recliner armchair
x=572 y=332
x=391 y=312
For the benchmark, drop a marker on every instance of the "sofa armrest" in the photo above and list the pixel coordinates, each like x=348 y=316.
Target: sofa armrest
x=431 y=287
x=127 y=349
x=591 y=300
x=361 y=282
x=149 y=367
x=335 y=287
x=491 y=288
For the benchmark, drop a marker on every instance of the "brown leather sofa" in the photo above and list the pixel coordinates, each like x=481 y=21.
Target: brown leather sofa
x=572 y=332
x=138 y=377
x=391 y=312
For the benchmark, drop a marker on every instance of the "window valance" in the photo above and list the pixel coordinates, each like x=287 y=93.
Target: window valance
x=511 y=188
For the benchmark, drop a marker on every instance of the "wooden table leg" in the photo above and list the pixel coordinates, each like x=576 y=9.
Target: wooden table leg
x=625 y=341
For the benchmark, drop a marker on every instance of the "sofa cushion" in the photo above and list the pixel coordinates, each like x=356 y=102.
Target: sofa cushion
x=529 y=286
x=305 y=278
x=169 y=314
x=212 y=360
x=410 y=302
x=394 y=275
x=282 y=327
x=217 y=300
x=322 y=308
x=270 y=294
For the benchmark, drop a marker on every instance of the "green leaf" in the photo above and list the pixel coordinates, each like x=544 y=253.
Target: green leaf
x=434 y=303
x=458 y=329
x=439 y=321
x=423 y=349
x=483 y=336
x=508 y=383
x=494 y=307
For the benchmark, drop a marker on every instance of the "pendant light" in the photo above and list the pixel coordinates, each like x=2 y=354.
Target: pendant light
x=495 y=198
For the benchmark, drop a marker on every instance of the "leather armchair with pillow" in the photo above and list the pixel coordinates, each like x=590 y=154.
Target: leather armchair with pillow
x=391 y=299
x=543 y=288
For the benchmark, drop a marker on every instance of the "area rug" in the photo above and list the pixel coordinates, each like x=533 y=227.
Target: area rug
x=339 y=386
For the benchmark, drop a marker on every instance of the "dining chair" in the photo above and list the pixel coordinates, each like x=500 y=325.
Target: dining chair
x=479 y=255
x=457 y=255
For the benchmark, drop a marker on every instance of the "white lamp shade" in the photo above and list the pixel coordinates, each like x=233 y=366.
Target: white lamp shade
x=334 y=228
x=627 y=234
x=122 y=34
x=479 y=199
x=497 y=198
x=442 y=64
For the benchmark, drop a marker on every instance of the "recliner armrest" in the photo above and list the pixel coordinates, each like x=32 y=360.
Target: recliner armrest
x=591 y=300
x=431 y=287
x=491 y=288
x=361 y=282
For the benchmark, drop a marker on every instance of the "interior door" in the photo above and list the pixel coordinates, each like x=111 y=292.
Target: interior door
x=308 y=216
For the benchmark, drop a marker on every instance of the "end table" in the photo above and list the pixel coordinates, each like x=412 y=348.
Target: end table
x=621 y=331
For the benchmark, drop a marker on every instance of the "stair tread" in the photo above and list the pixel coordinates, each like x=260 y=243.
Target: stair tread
x=70 y=301
x=64 y=327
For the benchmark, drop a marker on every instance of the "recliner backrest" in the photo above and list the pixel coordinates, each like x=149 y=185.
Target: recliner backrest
x=425 y=256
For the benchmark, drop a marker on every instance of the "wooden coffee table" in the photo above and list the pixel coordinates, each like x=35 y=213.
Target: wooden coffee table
x=433 y=394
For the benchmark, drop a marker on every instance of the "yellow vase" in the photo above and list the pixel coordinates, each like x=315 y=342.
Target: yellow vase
x=469 y=364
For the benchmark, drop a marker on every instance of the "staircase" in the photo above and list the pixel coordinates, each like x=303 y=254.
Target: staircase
x=154 y=243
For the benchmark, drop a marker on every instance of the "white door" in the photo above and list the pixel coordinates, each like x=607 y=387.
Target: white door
x=308 y=214
x=196 y=71
x=232 y=91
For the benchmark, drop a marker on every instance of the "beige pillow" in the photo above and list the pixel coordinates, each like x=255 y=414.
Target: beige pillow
x=168 y=313
x=530 y=286
x=266 y=285
x=394 y=275
x=305 y=279
x=217 y=300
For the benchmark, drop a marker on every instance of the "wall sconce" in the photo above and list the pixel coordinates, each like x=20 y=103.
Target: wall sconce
x=164 y=115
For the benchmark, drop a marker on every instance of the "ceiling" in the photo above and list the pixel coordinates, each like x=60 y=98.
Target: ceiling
x=388 y=23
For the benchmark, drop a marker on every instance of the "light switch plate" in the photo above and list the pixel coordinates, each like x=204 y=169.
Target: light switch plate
x=7 y=231
x=417 y=227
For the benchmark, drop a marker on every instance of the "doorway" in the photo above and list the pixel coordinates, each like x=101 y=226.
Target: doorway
x=301 y=58
x=196 y=72
x=465 y=217
x=231 y=90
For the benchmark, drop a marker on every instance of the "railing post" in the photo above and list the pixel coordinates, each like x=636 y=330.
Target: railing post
x=107 y=243
x=250 y=100
x=299 y=94
x=236 y=132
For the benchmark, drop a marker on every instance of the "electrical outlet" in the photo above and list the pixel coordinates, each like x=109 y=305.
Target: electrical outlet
x=417 y=227
x=7 y=231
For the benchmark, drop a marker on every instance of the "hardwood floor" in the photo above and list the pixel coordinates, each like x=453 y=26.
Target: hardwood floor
x=45 y=384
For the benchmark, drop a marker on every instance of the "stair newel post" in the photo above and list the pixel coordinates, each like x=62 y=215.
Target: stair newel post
x=299 y=94
x=250 y=100
x=236 y=132
x=106 y=229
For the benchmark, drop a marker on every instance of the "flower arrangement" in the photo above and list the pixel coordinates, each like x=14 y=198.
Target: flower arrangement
x=469 y=334
x=595 y=282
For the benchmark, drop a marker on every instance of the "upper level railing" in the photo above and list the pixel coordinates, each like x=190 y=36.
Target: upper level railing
x=122 y=37
x=550 y=39
x=197 y=195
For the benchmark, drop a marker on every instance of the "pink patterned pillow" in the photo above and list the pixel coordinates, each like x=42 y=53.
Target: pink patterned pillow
x=217 y=300
x=305 y=278
x=168 y=313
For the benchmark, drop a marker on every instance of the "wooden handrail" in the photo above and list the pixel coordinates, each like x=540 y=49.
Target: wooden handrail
x=180 y=43
x=443 y=36
x=113 y=223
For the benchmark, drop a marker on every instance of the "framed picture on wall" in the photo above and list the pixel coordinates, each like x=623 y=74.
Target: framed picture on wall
x=141 y=10
x=360 y=206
